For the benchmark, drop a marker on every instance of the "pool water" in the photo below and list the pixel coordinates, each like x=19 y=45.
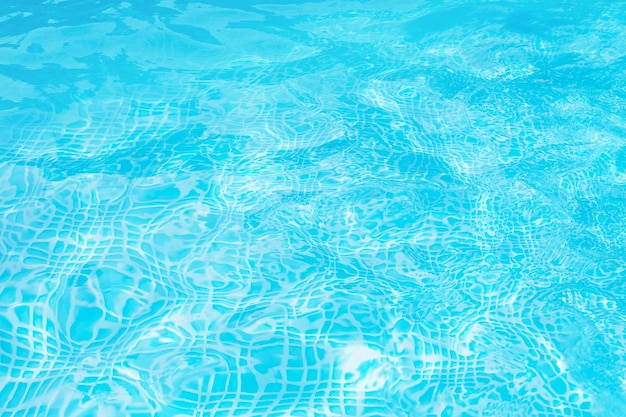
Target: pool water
x=325 y=208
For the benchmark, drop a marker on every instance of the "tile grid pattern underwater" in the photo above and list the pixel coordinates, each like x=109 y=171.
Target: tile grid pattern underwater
x=275 y=208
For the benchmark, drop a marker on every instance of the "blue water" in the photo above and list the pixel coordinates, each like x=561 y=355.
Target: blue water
x=279 y=208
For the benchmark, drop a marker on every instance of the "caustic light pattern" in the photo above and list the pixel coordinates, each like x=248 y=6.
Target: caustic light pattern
x=275 y=208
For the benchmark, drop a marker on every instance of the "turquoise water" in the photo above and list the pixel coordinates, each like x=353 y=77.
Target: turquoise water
x=278 y=208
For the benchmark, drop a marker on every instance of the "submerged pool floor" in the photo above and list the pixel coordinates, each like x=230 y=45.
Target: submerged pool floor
x=285 y=208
